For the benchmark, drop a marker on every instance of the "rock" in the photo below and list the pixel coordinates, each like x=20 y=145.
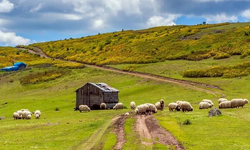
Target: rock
x=214 y=112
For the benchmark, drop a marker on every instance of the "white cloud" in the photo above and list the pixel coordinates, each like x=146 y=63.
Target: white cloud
x=220 y=18
x=3 y=22
x=10 y=38
x=60 y=16
x=246 y=14
x=161 y=21
x=36 y=8
x=98 y=24
x=6 y=6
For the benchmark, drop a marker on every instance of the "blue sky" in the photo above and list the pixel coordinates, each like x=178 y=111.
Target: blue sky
x=30 y=21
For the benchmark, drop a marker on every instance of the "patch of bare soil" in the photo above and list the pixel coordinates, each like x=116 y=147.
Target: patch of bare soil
x=148 y=128
x=119 y=131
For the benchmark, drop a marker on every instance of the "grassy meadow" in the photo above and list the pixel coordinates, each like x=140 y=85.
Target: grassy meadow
x=49 y=85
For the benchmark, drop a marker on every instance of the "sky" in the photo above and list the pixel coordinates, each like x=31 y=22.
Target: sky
x=23 y=22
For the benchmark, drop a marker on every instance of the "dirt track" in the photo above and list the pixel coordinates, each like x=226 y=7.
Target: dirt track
x=189 y=84
x=148 y=127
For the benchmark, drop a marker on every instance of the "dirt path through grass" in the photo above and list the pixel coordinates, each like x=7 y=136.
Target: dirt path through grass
x=120 y=133
x=151 y=132
x=188 y=84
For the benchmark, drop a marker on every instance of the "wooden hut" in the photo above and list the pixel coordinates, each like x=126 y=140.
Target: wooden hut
x=93 y=94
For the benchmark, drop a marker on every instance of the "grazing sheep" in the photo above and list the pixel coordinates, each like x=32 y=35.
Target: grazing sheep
x=103 y=106
x=16 y=115
x=186 y=106
x=37 y=114
x=235 y=103
x=205 y=105
x=152 y=108
x=222 y=100
x=173 y=106
x=118 y=106
x=84 y=108
x=160 y=105
x=179 y=102
x=132 y=105
x=26 y=114
x=225 y=104
x=126 y=114
x=142 y=109
x=208 y=100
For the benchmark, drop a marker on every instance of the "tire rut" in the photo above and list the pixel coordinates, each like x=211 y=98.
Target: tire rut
x=185 y=83
x=120 y=133
x=149 y=129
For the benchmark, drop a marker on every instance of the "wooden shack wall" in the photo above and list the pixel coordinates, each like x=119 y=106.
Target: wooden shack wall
x=92 y=96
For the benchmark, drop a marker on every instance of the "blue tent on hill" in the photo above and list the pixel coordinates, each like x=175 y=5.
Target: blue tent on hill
x=15 y=67
x=20 y=65
x=10 y=68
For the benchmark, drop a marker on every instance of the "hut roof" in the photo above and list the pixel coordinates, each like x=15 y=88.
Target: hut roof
x=103 y=86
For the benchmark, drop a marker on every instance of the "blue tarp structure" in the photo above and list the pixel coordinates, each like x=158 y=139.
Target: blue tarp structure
x=20 y=65
x=15 y=67
x=10 y=68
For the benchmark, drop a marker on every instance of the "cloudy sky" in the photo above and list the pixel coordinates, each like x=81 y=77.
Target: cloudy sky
x=29 y=21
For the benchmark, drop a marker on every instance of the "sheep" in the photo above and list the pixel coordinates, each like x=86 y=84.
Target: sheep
x=26 y=114
x=132 y=105
x=16 y=115
x=173 y=106
x=103 y=106
x=235 y=103
x=141 y=109
x=160 y=105
x=152 y=108
x=205 y=105
x=186 y=106
x=208 y=100
x=222 y=100
x=84 y=108
x=126 y=114
x=118 y=106
x=37 y=114
x=225 y=104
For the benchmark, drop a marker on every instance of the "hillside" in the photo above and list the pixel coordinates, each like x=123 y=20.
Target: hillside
x=155 y=44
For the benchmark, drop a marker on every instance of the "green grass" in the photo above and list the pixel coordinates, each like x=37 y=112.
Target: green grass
x=157 y=44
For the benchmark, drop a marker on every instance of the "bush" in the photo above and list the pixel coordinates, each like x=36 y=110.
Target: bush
x=57 y=109
x=187 y=122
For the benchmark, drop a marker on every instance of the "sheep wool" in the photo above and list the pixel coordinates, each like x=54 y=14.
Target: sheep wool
x=132 y=105
x=84 y=108
x=103 y=106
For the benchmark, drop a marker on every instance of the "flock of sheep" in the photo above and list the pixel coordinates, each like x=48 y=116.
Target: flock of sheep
x=26 y=114
x=149 y=108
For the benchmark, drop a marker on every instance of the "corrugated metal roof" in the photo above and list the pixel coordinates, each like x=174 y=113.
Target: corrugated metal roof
x=104 y=87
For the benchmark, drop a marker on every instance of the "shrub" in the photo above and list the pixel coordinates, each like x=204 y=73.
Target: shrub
x=187 y=122
x=57 y=109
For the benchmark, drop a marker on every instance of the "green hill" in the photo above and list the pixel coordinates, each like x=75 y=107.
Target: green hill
x=155 y=44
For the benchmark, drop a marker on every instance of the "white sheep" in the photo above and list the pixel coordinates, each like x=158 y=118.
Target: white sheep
x=103 y=106
x=37 y=114
x=141 y=109
x=118 y=106
x=132 y=105
x=16 y=115
x=126 y=114
x=208 y=100
x=26 y=114
x=160 y=105
x=205 y=105
x=235 y=103
x=186 y=106
x=222 y=100
x=152 y=108
x=84 y=108
x=173 y=106
x=225 y=104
